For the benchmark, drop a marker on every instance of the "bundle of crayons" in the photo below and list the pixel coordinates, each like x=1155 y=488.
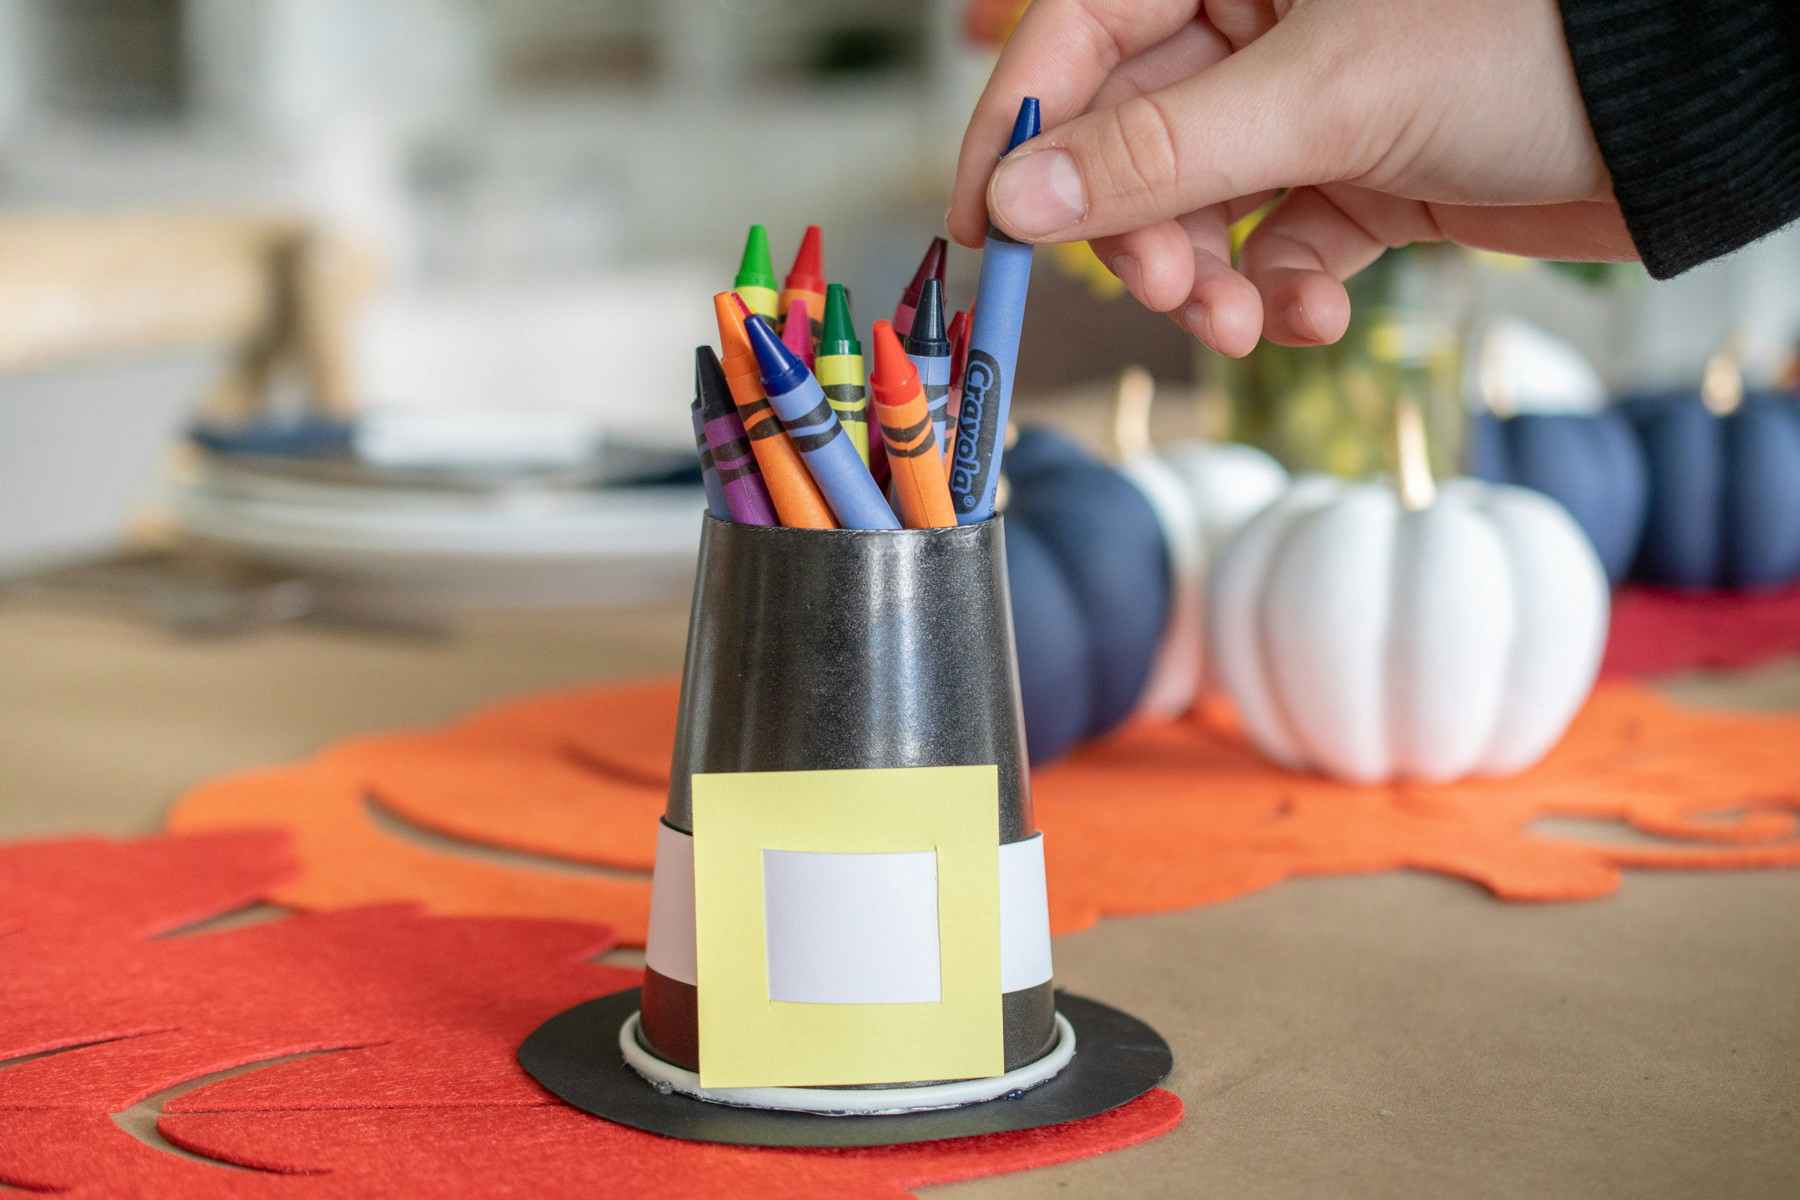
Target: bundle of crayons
x=793 y=430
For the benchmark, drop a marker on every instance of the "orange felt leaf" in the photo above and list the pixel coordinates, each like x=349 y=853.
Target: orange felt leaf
x=1159 y=816
x=627 y=729
x=408 y=1022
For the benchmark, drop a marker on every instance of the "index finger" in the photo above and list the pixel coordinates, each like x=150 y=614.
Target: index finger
x=1062 y=52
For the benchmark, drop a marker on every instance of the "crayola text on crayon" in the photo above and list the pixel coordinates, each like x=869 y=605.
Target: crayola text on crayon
x=976 y=431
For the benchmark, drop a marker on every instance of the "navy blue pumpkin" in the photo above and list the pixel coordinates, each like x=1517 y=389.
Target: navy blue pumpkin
x=1591 y=464
x=1724 y=491
x=1090 y=580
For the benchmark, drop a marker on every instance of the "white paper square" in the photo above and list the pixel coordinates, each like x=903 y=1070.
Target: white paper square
x=852 y=928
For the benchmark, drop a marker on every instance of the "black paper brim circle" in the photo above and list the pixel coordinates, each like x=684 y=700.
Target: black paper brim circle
x=575 y=1055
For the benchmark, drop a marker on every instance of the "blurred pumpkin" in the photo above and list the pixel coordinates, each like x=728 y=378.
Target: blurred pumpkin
x=1590 y=463
x=1202 y=492
x=1374 y=632
x=1724 y=487
x=1090 y=577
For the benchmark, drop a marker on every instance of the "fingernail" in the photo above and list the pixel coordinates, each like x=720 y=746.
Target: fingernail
x=1301 y=322
x=1128 y=271
x=1036 y=194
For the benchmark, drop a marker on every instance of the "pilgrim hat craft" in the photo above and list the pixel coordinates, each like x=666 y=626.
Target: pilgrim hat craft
x=849 y=935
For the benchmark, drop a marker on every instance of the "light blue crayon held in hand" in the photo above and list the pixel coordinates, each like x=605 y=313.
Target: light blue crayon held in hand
x=993 y=357
x=814 y=430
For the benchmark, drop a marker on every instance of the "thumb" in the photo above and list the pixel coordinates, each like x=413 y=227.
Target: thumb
x=1270 y=116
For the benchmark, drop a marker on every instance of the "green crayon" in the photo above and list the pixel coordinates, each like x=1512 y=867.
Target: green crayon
x=755 y=280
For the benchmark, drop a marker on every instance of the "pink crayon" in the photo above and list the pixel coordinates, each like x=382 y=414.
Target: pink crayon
x=746 y=496
x=796 y=331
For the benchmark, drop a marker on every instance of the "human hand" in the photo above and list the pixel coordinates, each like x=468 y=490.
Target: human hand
x=1386 y=121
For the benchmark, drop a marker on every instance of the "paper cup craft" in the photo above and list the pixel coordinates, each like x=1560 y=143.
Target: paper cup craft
x=849 y=936
x=1373 y=632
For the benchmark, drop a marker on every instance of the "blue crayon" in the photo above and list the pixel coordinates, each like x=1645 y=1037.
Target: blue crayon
x=813 y=428
x=929 y=348
x=993 y=356
x=709 y=474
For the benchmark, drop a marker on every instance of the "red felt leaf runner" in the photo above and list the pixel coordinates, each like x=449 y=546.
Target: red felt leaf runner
x=1658 y=632
x=410 y=1022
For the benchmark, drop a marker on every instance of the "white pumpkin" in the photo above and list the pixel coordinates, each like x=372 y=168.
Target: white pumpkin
x=1520 y=367
x=1202 y=492
x=1229 y=483
x=1371 y=639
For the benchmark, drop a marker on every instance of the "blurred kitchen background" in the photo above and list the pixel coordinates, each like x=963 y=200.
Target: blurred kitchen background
x=323 y=302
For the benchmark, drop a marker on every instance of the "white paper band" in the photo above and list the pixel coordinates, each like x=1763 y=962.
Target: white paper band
x=1024 y=916
x=669 y=948
x=1024 y=912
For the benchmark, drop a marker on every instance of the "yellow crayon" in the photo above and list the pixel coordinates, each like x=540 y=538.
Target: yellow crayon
x=841 y=372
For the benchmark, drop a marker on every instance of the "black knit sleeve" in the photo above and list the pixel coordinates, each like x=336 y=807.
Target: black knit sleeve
x=1696 y=106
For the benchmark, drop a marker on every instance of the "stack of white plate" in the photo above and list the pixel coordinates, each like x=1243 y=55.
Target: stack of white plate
x=453 y=537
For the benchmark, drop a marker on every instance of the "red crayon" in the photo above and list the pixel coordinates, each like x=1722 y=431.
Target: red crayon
x=930 y=267
x=878 y=463
x=796 y=331
x=805 y=282
x=959 y=358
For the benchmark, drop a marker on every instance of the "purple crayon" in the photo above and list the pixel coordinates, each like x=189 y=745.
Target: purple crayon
x=735 y=465
x=709 y=474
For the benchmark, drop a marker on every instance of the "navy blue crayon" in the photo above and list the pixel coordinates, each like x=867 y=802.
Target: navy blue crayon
x=928 y=345
x=709 y=474
x=814 y=430
x=993 y=357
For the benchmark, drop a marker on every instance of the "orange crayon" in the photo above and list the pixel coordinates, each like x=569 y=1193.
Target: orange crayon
x=805 y=282
x=920 y=489
x=797 y=499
